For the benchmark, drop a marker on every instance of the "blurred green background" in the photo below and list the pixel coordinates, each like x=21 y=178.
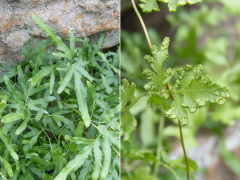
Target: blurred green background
x=206 y=33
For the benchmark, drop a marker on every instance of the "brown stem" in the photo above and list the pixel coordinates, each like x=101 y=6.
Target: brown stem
x=74 y=120
x=183 y=147
x=150 y=45
x=170 y=92
x=181 y=137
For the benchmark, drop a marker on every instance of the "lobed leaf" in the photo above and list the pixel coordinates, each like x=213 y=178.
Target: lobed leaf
x=192 y=91
x=127 y=92
x=152 y=5
x=149 y=5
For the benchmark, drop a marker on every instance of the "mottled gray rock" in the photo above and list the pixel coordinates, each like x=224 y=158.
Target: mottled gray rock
x=85 y=17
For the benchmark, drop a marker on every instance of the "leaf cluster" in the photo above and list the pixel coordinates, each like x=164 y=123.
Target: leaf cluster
x=59 y=112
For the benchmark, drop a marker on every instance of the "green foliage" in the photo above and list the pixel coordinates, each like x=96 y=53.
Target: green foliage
x=191 y=91
x=196 y=95
x=42 y=133
x=152 y=5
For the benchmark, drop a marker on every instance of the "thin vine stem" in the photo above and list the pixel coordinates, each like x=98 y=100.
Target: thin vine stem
x=142 y=22
x=3 y=176
x=167 y=87
x=183 y=147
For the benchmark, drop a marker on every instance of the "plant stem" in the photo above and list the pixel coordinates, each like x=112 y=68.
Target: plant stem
x=159 y=147
x=3 y=176
x=183 y=147
x=167 y=87
x=142 y=22
x=181 y=137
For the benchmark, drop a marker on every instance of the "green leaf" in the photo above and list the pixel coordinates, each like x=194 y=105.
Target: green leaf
x=55 y=39
x=152 y=5
x=127 y=92
x=149 y=5
x=91 y=94
x=2 y=104
x=40 y=75
x=79 y=130
x=192 y=91
x=13 y=91
x=98 y=159
x=52 y=79
x=160 y=55
x=9 y=147
x=173 y=4
x=128 y=124
x=97 y=47
x=83 y=71
x=114 y=138
x=79 y=140
x=107 y=157
x=13 y=117
x=81 y=98
x=23 y=126
x=43 y=106
x=39 y=61
x=35 y=108
x=74 y=164
x=105 y=84
x=22 y=80
x=106 y=61
x=86 y=170
x=7 y=166
x=41 y=100
x=65 y=81
x=72 y=43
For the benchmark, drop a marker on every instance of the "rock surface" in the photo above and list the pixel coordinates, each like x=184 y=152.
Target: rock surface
x=86 y=18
